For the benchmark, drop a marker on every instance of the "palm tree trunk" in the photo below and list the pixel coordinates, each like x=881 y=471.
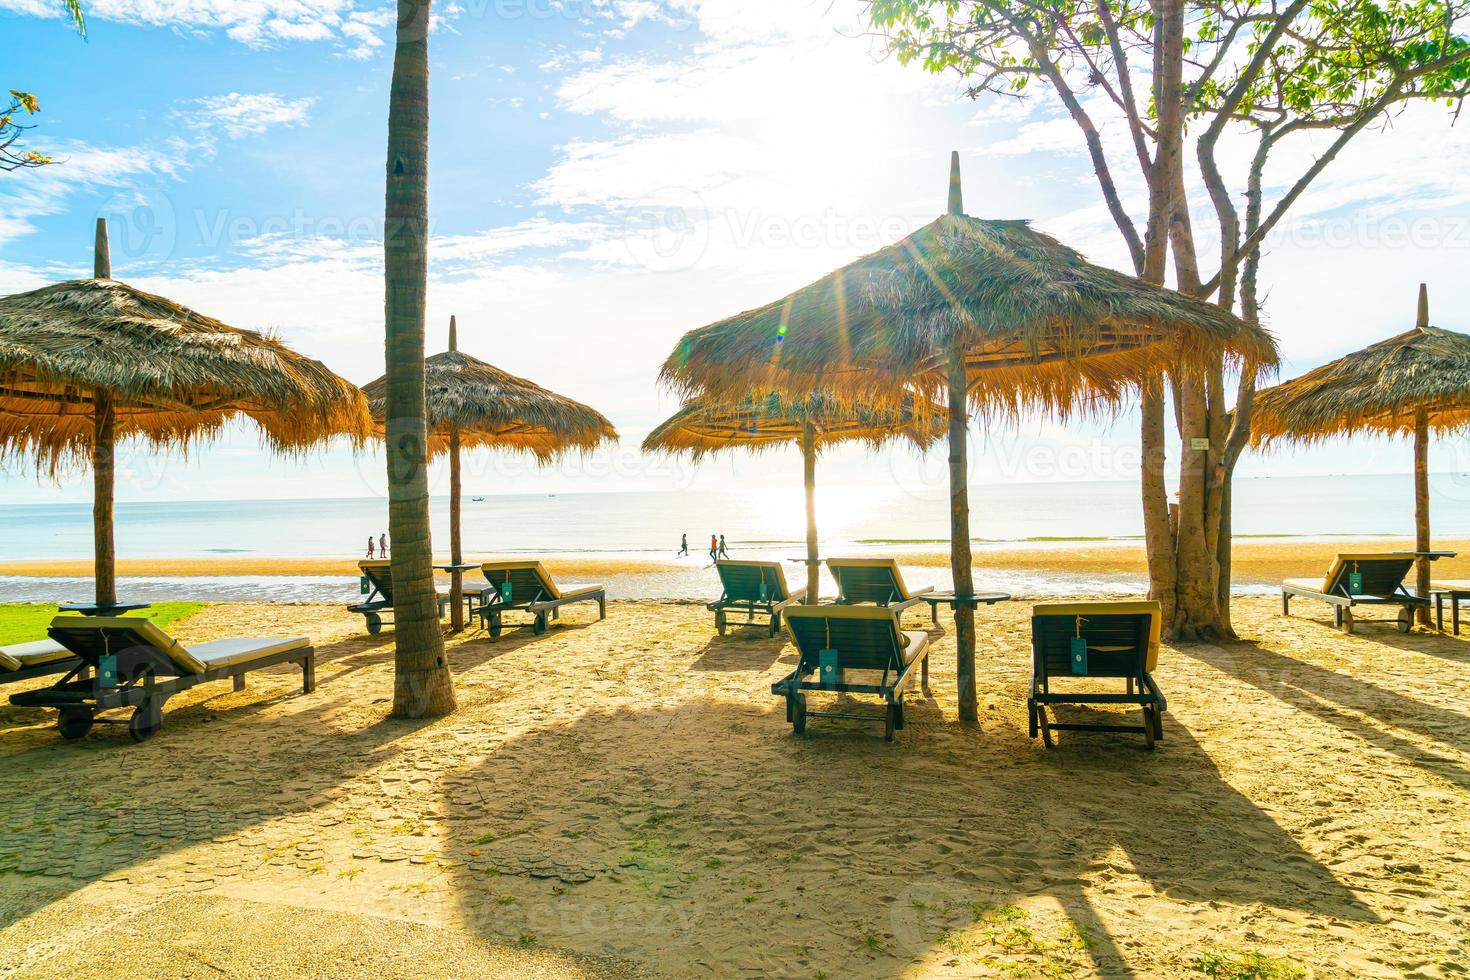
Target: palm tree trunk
x=104 y=448
x=422 y=685
x=959 y=536
x=1421 y=505
x=809 y=480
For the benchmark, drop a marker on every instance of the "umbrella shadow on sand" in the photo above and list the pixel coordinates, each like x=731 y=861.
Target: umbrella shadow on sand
x=703 y=837
x=252 y=787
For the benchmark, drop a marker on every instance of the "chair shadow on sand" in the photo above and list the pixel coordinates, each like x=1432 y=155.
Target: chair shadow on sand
x=104 y=807
x=705 y=837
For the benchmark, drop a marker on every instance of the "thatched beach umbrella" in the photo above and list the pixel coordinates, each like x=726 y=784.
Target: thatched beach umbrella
x=88 y=362
x=994 y=314
x=1406 y=385
x=703 y=427
x=471 y=404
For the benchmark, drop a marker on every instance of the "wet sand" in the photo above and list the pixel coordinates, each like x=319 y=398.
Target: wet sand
x=624 y=796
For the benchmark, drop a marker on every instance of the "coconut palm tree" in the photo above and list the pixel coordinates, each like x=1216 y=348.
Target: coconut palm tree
x=422 y=685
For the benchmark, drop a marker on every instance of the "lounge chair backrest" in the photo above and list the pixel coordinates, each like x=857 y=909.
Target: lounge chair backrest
x=529 y=580
x=133 y=640
x=1382 y=573
x=742 y=580
x=7 y=662
x=865 y=637
x=868 y=580
x=1121 y=636
x=380 y=574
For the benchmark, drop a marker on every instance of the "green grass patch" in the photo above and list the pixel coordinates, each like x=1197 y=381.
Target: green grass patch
x=1227 y=964
x=22 y=622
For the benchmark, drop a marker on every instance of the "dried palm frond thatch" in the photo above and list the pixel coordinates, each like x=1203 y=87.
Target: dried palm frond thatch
x=761 y=422
x=703 y=427
x=491 y=407
x=173 y=375
x=1411 y=384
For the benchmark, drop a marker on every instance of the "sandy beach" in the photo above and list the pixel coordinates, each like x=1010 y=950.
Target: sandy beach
x=624 y=798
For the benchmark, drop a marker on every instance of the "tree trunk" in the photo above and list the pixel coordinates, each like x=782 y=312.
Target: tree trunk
x=809 y=480
x=1421 y=505
x=1158 y=531
x=104 y=449
x=959 y=536
x=422 y=683
x=456 y=552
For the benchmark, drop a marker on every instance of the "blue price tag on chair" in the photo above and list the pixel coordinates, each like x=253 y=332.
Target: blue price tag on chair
x=107 y=670
x=763 y=592
x=1355 y=583
x=505 y=591
x=827 y=662
x=362 y=585
x=1079 y=654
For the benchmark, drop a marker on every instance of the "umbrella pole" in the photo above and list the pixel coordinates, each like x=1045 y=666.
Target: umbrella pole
x=456 y=552
x=959 y=536
x=1421 y=504
x=104 y=438
x=809 y=479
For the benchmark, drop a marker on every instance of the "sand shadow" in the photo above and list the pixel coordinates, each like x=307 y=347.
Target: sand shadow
x=106 y=808
x=692 y=835
x=741 y=650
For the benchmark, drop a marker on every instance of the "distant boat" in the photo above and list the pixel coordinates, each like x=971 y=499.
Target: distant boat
x=478 y=500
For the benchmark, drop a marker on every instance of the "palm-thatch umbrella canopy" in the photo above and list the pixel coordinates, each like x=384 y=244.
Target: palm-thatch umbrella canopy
x=470 y=404
x=703 y=427
x=995 y=313
x=87 y=362
x=1406 y=385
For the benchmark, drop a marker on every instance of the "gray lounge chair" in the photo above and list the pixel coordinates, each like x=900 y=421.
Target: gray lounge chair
x=756 y=588
x=854 y=650
x=1369 y=579
x=38 y=658
x=527 y=586
x=134 y=664
x=379 y=576
x=875 y=580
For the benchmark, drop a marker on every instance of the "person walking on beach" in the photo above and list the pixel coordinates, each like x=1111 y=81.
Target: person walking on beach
x=714 y=549
x=724 y=553
x=683 y=545
x=370 y=547
x=382 y=545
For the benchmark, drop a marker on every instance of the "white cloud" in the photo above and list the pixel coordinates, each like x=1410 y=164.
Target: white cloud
x=238 y=114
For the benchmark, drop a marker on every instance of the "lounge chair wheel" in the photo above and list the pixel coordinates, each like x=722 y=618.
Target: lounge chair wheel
x=1406 y=620
x=797 y=706
x=494 y=625
x=145 y=723
x=539 y=627
x=374 y=623
x=720 y=623
x=75 y=722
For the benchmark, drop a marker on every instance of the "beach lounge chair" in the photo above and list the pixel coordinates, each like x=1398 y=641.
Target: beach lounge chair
x=1360 y=580
x=526 y=586
x=875 y=580
x=38 y=658
x=134 y=664
x=853 y=650
x=754 y=588
x=1096 y=639
x=379 y=577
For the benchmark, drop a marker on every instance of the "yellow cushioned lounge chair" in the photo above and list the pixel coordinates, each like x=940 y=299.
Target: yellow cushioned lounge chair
x=379 y=576
x=1369 y=579
x=137 y=665
x=526 y=585
x=853 y=650
x=875 y=580
x=754 y=588
x=38 y=658
x=1096 y=639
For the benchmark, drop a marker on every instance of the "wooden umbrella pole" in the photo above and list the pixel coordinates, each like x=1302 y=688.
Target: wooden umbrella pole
x=104 y=439
x=456 y=551
x=1421 y=504
x=809 y=478
x=959 y=536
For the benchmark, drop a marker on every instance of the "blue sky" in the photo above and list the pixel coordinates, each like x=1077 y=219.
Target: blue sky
x=606 y=174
